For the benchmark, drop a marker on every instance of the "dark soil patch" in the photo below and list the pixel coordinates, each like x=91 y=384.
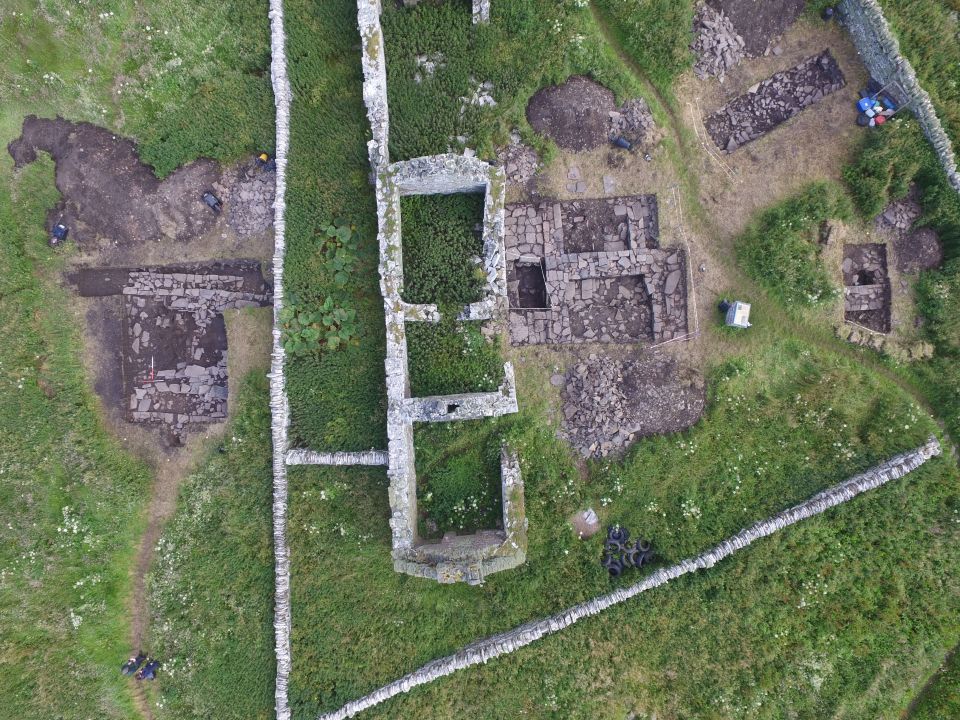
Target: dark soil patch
x=760 y=22
x=915 y=249
x=774 y=101
x=610 y=403
x=109 y=196
x=108 y=192
x=919 y=250
x=532 y=285
x=575 y=115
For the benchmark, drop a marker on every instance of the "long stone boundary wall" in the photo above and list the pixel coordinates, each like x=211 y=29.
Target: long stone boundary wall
x=279 y=406
x=880 y=51
x=512 y=640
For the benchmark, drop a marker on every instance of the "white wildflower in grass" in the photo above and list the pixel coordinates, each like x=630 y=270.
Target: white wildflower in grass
x=690 y=510
x=75 y=619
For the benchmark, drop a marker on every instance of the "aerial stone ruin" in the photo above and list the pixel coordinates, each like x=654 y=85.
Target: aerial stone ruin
x=569 y=283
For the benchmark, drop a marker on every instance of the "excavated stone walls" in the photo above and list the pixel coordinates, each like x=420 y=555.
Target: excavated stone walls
x=628 y=290
x=774 y=101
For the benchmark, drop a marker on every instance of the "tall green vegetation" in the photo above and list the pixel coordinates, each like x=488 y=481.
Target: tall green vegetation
x=929 y=34
x=458 y=476
x=779 y=248
x=452 y=357
x=528 y=44
x=336 y=395
x=440 y=245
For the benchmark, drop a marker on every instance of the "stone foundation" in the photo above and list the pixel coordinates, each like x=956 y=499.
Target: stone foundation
x=470 y=558
x=628 y=290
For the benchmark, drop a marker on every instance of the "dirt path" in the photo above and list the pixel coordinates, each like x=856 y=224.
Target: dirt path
x=927 y=686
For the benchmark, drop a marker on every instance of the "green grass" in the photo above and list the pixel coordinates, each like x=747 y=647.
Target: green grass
x=71 y=498
x=779 y=249
x=888 y=163
x=782 y=424
x=527 y=44
x=337 y=399
x=452 y=357
x=212 y=585
x=458 y=476
x=656 y=33
x=942 y=698
x=929 y=37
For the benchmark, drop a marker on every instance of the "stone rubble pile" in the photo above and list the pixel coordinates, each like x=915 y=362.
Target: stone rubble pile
x=482 y=96
x=633 y=121
x=427 y=65
x=774 y=101
x=248 y=200
x=519 y=162
x=608 y=403
x=716 y=44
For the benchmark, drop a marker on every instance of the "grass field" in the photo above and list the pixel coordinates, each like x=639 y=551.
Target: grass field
x=70 y=498
x=812 y=610
x=212 y=584
x=844 y=616
x=686 y=491
x=184 y=79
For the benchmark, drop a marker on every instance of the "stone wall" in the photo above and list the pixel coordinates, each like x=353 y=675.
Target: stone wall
x=484 y=650
x=299 y=456
x=279 y=406
x=880 y=51
x=467 y=559
x=481 y=11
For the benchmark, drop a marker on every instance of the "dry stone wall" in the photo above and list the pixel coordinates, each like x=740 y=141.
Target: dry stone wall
x=279 y=406
x=485 y=650
x=880 y=51
x=299 y=456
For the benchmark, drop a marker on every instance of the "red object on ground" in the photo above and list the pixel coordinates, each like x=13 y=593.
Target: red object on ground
x=880 y=119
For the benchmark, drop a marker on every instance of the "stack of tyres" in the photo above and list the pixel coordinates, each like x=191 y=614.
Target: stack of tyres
x=620 y=554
